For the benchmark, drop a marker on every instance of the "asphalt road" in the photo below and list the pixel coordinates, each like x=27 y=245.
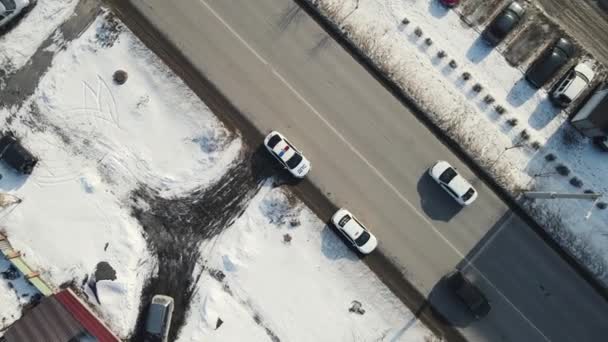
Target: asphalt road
x=370 y=154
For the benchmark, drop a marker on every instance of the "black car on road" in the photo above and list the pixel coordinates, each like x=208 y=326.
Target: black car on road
x=469 y=294
x=549 y=63
x=504 y=23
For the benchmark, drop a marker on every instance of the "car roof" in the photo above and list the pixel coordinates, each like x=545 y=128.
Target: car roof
x=459 y=185
x=352 y=228
x=577 y=85
x=155 y=319
x=283 y=150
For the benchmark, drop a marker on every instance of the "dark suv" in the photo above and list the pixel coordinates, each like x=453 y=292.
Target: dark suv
x=15 y=155
x=469 y=294
x=549 y=63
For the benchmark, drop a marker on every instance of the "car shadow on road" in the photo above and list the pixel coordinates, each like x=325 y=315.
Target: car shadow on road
x=544 y=113
x=334 y=246
x=434 y=201
x=453 y=311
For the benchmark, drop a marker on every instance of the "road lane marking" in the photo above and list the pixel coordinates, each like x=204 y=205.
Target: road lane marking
x=369 y=164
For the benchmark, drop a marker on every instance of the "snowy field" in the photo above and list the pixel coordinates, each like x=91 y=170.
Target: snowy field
x=99 y=141
x=528 y=146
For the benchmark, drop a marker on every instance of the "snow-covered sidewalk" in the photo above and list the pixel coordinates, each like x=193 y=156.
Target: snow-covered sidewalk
x=461 y=83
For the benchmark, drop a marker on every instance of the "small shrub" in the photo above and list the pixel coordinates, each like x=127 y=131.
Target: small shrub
x=512 y=122
x=489 y=99
x=286 y=238
x=601 y=205
x=576 y=182
x=466 y=76
x=536 y=145
x=428 y=41
x=588 y=191
x=418 y=32
x=562 y=170
x=500 y=109
x=120 y=76
x=477 y=88
x=441 y=54
x=405 y=21
x=453 y=64
x=524 y=135
x=550 y=157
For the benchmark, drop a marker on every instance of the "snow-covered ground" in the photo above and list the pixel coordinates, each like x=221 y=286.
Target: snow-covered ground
x=31 y=31
x=98 y=141
x=515 y=155
x=288 y=275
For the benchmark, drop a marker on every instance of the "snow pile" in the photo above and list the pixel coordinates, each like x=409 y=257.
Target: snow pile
x=22 y=41
x=279 y=273
x=521 y=137
x=97 y=141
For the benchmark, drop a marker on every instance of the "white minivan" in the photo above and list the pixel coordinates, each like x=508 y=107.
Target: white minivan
x=571 y=87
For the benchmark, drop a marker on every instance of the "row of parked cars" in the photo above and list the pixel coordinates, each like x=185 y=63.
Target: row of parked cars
x=546 y=66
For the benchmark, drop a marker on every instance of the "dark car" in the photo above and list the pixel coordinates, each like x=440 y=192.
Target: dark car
x=449 y=3
x=15 y=155
x=504 y=23
x=549 y=63
x=469 y=294
x=158 y=321
x=601 y=143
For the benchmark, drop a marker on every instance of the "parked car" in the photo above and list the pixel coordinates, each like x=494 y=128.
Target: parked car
x=504 y=23
x=448 y=178
x=15 y=155
x=469 y=294
x=573 y=84
x=354 y=231
x=9 y=9
x=601 y=142
x=287 y=154
x=549 y=63
x=158 y=321
x=450 y=3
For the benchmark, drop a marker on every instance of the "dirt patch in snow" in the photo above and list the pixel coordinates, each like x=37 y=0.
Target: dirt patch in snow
x=175 y=227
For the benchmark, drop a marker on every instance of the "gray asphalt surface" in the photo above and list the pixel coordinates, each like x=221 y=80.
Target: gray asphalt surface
x=370 y=154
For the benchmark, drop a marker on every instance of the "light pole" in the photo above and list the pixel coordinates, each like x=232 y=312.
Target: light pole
x=563 y=195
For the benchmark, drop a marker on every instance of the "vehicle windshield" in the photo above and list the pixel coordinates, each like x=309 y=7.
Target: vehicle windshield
x=294 y=161
x=274 y=140
x=447 y=175
x=362 y=239
x=468 y=194
x=8 y=4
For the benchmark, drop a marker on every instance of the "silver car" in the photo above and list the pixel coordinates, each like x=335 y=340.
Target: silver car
x=158 y=321
x=9 y=9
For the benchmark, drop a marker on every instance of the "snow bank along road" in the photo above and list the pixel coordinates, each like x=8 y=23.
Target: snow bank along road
x=370 y=154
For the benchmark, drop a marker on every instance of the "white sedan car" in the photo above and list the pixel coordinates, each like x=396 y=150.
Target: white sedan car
x=286 y=154
x=10 y=9
x=354 y=231
x=458 y=187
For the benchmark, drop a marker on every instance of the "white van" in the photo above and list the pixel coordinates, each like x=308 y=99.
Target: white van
x=571 y=86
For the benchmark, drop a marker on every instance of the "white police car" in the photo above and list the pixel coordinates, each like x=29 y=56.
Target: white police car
x=287 y=154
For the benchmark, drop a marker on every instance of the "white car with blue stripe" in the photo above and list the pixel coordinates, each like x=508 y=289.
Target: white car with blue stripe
x=287 y=154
